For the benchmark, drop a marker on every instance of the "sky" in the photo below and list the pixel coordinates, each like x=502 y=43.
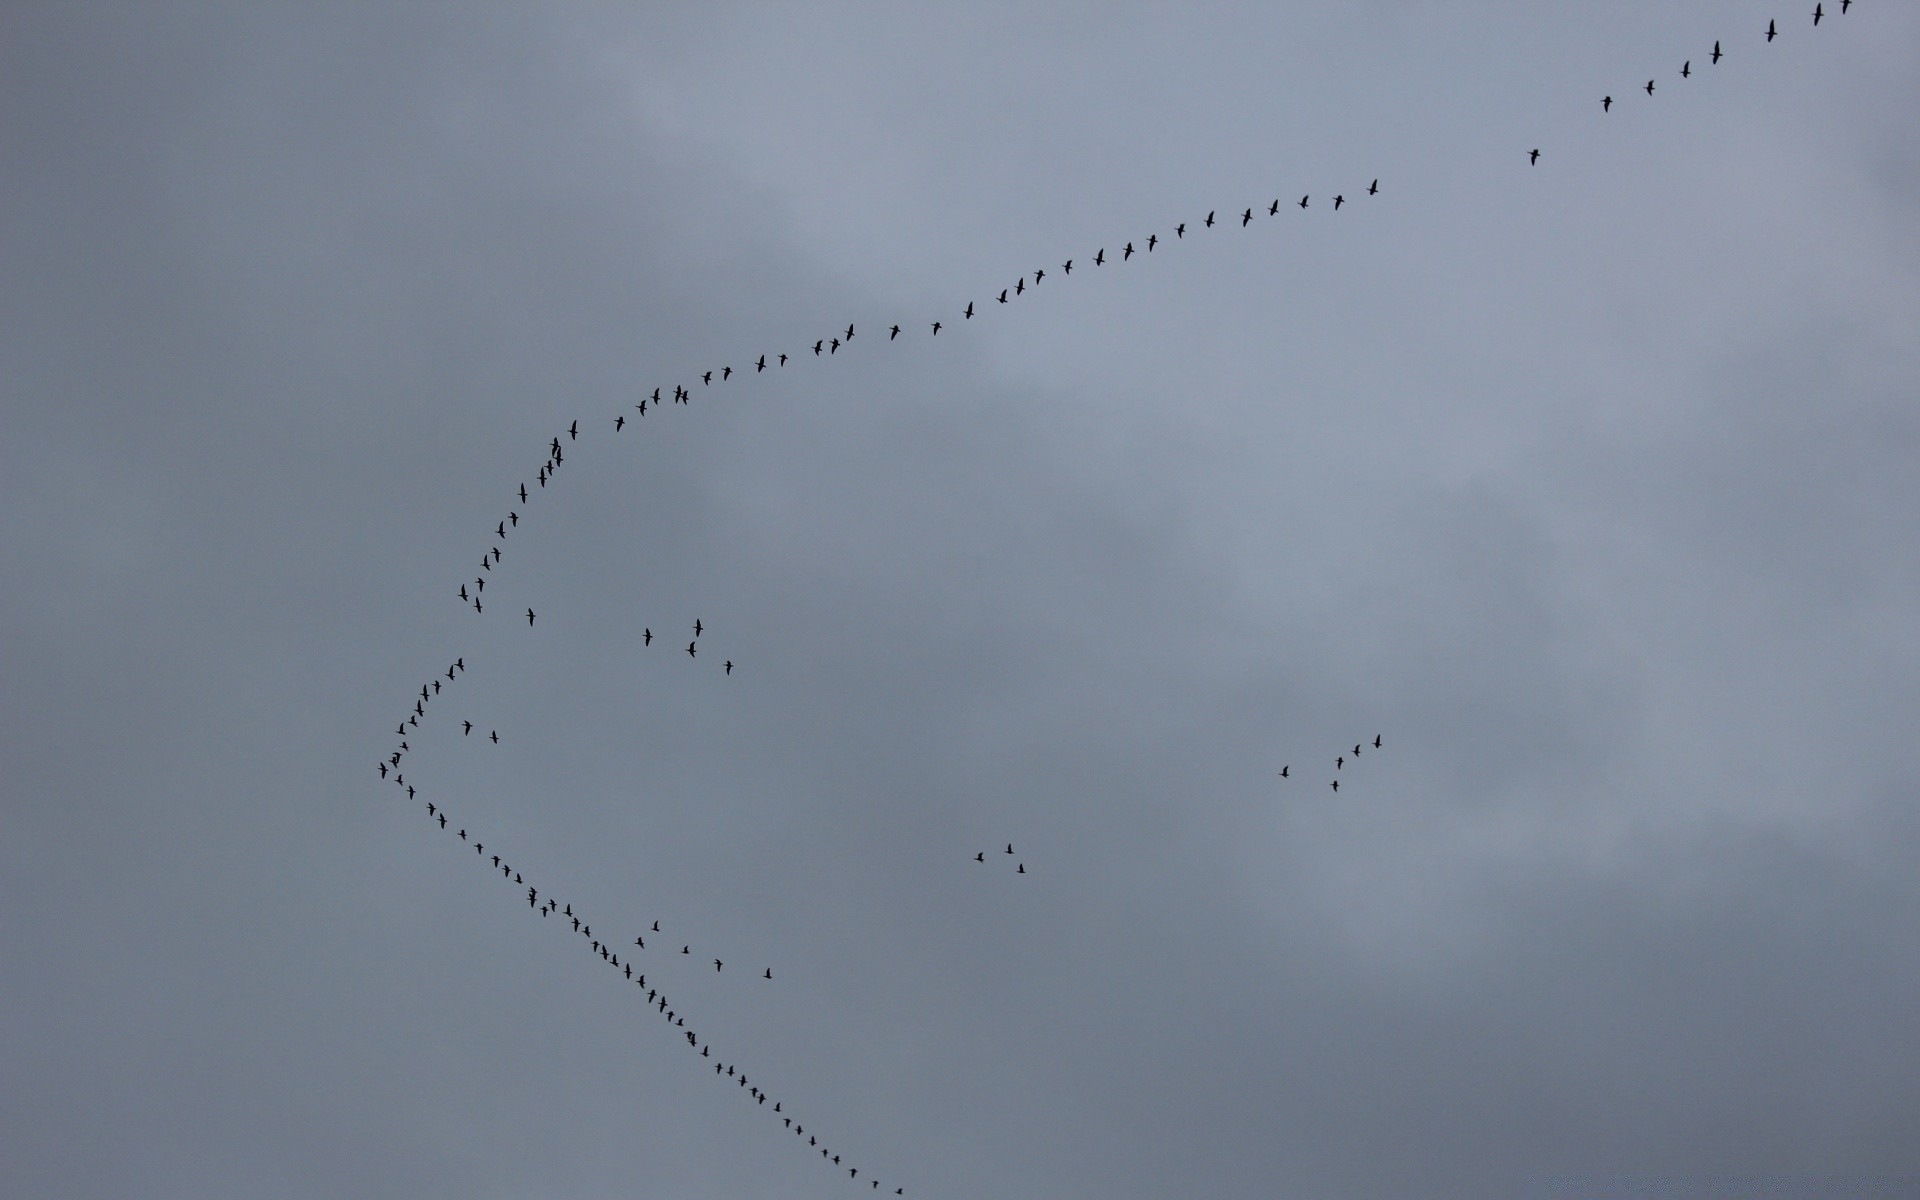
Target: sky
x=1586 y=485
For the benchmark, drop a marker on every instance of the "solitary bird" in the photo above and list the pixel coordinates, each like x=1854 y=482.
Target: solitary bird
x=969 y=313
x=646 y=637
x=1209 y=219
x=936 y=329
x=1534 y=157
x=469 y=728
x=1817 y=14
x=783 y=360
x=1373 y=187
x=1245 y=217
x=729 y=666
x=980 y=857
x=1100 y=259
x=1686 y=69
x=1303 y=201
x=769 y=975
x=1771 y=31
x=717 y=964
x=495 y=735
x=1337 y=202
x=1716 y=53
x=1649 y=87
x=1284 y=770
x=529 y=616
x=893 y=333
x=1606 y=104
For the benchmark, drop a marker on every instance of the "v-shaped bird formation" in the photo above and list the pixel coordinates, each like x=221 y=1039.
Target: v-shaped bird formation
x=625 y=952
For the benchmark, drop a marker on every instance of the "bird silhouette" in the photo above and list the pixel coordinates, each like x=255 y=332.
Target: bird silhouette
x=717 y=964
x=1336 y=785
x=698 y=629
x=1100 y=259
x=1009 y=847
x=1022 y=870
x=1606 y=104
x=707 y=379
x=769 y=975
x=729 y=666
x=529 y=616
x=783 y=360
x=523 y=493
x=619 y=422
x=849 y=334
x=817 y=345
x=573 y=430
x=691 y=648
x=1151 y=239
x=760 y=365
x=1373 y=188
x=980 y=857
x=1284 y=770
x=1533 y=157
x=1245 y=217
x=1273 y=210
x=495 y=735
x=469 y=728
x=969 y=313
x=1817 y=14
x=1716 y=53
x=1771 y=31
x=1180 y=230
x=1020 y=285
x=646 y=637
x=1066 y=268
x=1128 y=253
x=1209 y=221
x=1338 y=762
x=936 y=329
x=1686 y=69
x=833 y=346
x=1337 y=202
x=893 y=333
x=1376 y=741
x=726 y=373
x=1039 y=273
x=1649 y=87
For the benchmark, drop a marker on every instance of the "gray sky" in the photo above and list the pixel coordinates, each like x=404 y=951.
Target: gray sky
x=1588 y=485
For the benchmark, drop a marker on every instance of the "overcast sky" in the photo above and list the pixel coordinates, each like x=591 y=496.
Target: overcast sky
x=1589 y=486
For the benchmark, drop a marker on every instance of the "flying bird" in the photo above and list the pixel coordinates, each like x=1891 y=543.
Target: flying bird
x=1686 y=69
x=849 y=332
x=691 y=648
x=1245 y=217
x=619 y=422
x=980 y=857
x=1533 y=157
x=468 y=730
x=893 y=333
x=1303 y=201
x=729 y=666
x=1606 y=104
x=726 y=373
x=1066 y=268
x=573 y=430
x=761 y=365
x=1771 y=31
x=1129 y=252
x=1020 y=286
x=1336 y=785
x=1649 y=87
x=1337 y=202
x=495 y=735
x=833 y=346
x=523 y=493
x=1284 y=770
x=1180 y=230
x=646 y=637
x=1209 y=218
x=529 y=616
x=1339 y=761
x=698 y=629
x=1373 y=187
x=1100 y=259
x=1038 y=275
x=969 y=313
x=769 y=975
x=1151 y=239
x=1716 y=53
x=817 y=345
x=936 y=329
x=707 y=379
x=1003 y=295
x=1817 y=14
x=1273 y=210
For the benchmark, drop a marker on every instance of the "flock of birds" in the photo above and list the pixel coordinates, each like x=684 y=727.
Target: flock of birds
x=621 y=956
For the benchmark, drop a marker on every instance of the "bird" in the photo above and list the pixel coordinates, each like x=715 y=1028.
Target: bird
x=936 y=329
x=1373 y=188
x=619 y=422
x=1649 y=87
x=1066 y=268
x=698 y=628
x=573 y=430
x=1100 y=259
x=769 y=975
x=969 y=313
x=1009 y=847
x=1284 y=770
x=500 y=530
x=523 y=493
x=1245 y=217
x=1686 y=69
x=383 y=770
x=1339 y=761
x=529 y=616
x=1209 y=219
x=833 y=345
x=1606 y=104
x=849 y=331
x=760 y=365
x=469 y=728
x=707 y=379
x=717 y=964
x=1039 y=273
x=1337 y=202
x=783 y=360
x=691 y=647
x=1180 y=230
x=729 y=666
x=1020 y=286
x=1273 y=210
x=1844 y=6
x=1356 y=749
x=1534 y=157
x=1771 y=31
x=1022 y=870
x=817 y=345
x=646 y=637
x=1716 y=52
x=495 y=735
x=1303 y=201
x=656 y=927
x=893 y=333
x=1376 y=741
x=1336 y=785
x=1003 y=295
x=726 y=373
x=980 y=857
x=1128 y=253
x=1152 y=238
x=1817 y=14
x=463 y=591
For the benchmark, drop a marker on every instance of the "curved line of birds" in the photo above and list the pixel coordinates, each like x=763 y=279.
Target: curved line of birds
x=682 y=394
x=1713 y=58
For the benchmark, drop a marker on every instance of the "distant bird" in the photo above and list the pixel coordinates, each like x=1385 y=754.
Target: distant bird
x=1534 y=157
x=936 y=329
x=469 y=728
x=817 y=345
x=495 y=735
x=707 y=379
x=691 y=647
x=1209 y=218
x=1100 y=259
x=1376 y=741
x=1338 y=762
x=646 y=637
x=1337 y=202
x=383 y=770
x=1273 y=210
x=980 y=857
x=849 y=332
x=1303 y=201
x=698 y=629
x=463 y=591
x=1128 y=254
x=717 y=964
x=1022 y=870
x=1649 y=87
x=619 y=422
x=969 y=313
x=443 y=820
x=523 y=493
x=501 y=530
x=529 y=616
x=1771 y=31
x=1284 y=770
x=1003 y=295
x=656 y=927
x=573 y=430
x=893 y=333
x=1180 y=230
x=1356 y=749
x=783 y=360
x=1038 y=274
x=1066 y=268
x=1686 y=69
x=1336 y=785
x=833 y=346
x=1020 y=286
x=1152 y=238
x=726 y=373
x=729 y=666
x=1373 y=187
x=1844 y=6
x=1716 y=52
x=1817 y=14
x=1606 y=104
x=761 y=365
x=1245 y=217
x=769 y=975
x=686 y=950
x=1009 y=847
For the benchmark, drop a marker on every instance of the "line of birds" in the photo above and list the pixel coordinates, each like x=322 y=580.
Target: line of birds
x=1339 y=761
x=682 y=394
x=1713 y=58
x=656 y=997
